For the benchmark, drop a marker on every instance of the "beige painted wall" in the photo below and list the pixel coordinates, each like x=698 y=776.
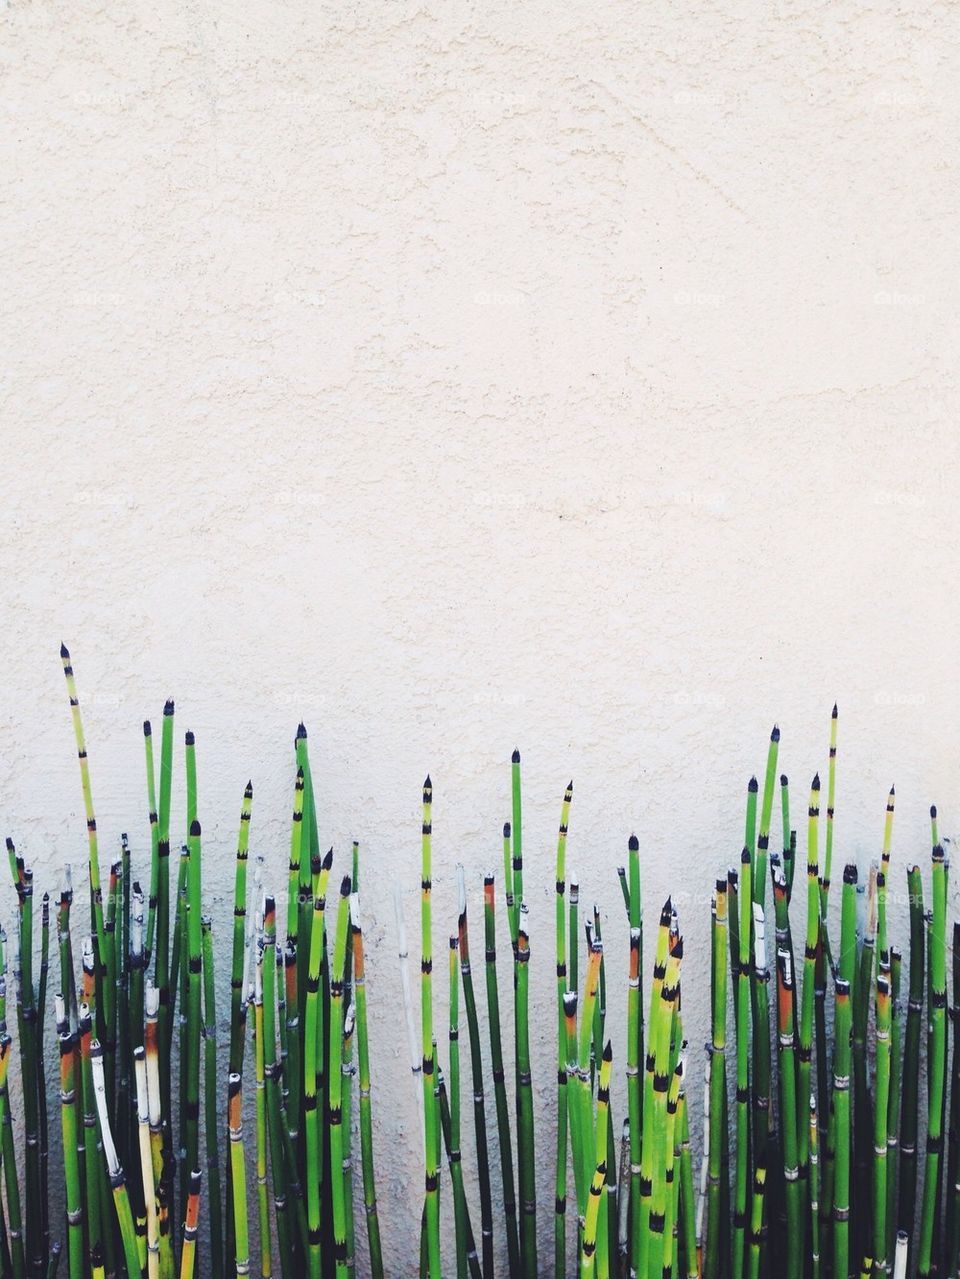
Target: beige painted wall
x=468 y=375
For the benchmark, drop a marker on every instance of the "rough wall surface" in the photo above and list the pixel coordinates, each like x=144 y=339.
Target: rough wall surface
x=462 y=376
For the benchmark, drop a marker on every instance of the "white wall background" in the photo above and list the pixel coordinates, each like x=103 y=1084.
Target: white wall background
x=468 y=375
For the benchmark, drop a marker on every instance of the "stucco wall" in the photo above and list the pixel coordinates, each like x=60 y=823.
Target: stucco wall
x=466 y=376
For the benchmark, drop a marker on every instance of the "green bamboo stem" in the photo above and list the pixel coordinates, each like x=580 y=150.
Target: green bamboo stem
x=909 y=1109
x=431 y=1169
x=658 y=1128
x=456 y=1167
x=162 y=964
x=238 y=1180
x=814 y=1188
x=271 y=1071
x=470 y=1245
x=263 y=1206
x=893 y=1105
x=154 y=822
x=633 y=1089
x=671 y=1153
x=687 y=1210
x=593 y=1219
x=499 y=1083
x=831 y=800
x=118 y=1183
x=560 y=1185
x=365 y=1105
x=336 y=1025
x=760 y=1006
x=191 y=1224
x=148 y=1187
x=348 y=1071
x=237 y=1038
x=211 y=1127
x=313 y=1058
x=790 y=1120
x=880 y=1164
x=602 y=1154
x=476 y=1071
x=743 y=1077
x=525 y=1139
x=841 y=1123
x=14 y=1221
x=70 y=1131
x=937 y=1063
x=643 y=1249
x=191 y=1076
x=105 y=993
x=807 y=998
x=766 y=812
x=717 y=1087
x=757 y=1228
x=953 y=1132
x=526 y=1175
x=91 y=1150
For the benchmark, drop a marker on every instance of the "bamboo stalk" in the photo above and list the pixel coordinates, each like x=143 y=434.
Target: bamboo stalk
x=70 y=1131
x=336 y=1024
x=118 y=1183
x=499 y=1084
x=909 y=1112
x=476 y=1071
x=743 y=1077
x=146 y=1163
x=717 y=1087
x=313 y=1056
x=880 y=1168
x=191 y=1224
x=431 y=1169
x=525 y=1140
x=560 y=1199
x=241 y=1239
x=937 y=1063
x=456 y=1167
x=105 y=993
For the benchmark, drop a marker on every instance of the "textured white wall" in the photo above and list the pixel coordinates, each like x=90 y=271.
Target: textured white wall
x=459 y=376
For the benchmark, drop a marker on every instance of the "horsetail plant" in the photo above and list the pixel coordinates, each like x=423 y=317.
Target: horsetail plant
x=813 y=1172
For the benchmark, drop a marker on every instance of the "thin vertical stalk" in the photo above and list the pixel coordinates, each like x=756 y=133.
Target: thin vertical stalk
x=338 y=1188
x=716 y=1093
x=115 y=1172
x=743 y=1077
x=789 y=1119
x=841 y=1123
x=880 y=1167
x=456 y=1167
x=499 y=1084
x=560 y=1200
x=271 y=1072
x=431 y=1169
x=263 y=1206
x=937 y=1062
x=909 y=1110
x=525 y=1140
x=241 y=1240
x=146 y=1162
x=211 y=1128
x=365 y=1107
x=191 y=1225
x=476 y=1071
x=105 y=994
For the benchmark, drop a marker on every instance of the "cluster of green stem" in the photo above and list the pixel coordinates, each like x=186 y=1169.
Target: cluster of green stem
x=811 y=1163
